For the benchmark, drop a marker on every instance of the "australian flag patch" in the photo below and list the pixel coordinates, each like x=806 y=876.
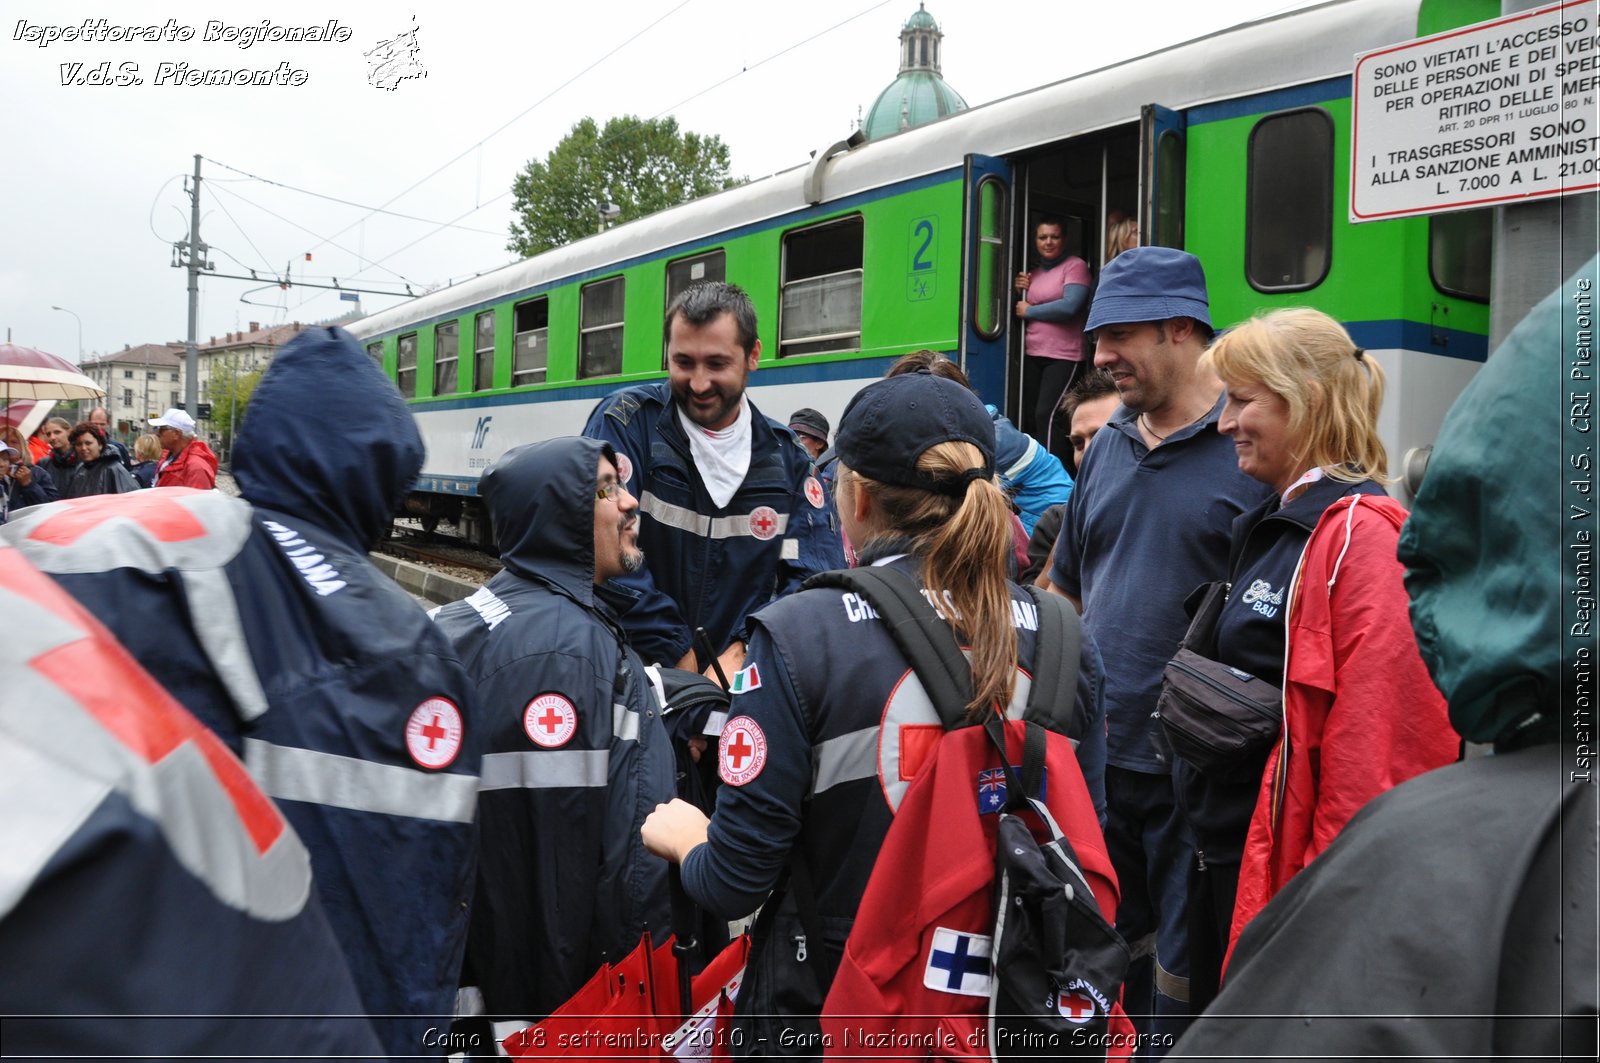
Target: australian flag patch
x=992 y=788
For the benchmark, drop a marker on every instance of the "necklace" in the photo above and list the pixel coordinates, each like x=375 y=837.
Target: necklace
x=1145 y=422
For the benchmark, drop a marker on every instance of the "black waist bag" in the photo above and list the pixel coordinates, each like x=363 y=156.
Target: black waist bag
x=1214 y=716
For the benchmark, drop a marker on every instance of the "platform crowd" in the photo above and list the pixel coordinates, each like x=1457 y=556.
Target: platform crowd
x=261 y=804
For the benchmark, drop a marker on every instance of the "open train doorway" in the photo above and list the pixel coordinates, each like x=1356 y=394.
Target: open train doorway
x=1082 y=188
x=1105 y=191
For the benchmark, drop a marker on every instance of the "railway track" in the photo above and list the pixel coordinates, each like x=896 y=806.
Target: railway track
x=457 y=557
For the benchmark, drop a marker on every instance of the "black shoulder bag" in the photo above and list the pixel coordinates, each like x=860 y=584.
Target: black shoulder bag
x=1214 y=716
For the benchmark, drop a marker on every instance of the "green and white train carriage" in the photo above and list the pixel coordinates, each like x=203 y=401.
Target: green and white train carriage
x=1234 y=147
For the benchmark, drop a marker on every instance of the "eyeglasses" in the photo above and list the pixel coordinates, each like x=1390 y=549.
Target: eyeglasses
x=608 y=491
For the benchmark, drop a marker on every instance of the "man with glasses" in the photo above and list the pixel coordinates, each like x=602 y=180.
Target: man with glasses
x=575 y=754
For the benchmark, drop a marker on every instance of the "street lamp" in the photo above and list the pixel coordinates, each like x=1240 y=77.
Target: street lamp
x=79 y=320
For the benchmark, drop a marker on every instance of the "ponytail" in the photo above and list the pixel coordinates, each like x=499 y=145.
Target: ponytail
x=963 y=538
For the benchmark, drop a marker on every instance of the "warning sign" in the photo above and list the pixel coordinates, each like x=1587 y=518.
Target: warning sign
x=1488 y=114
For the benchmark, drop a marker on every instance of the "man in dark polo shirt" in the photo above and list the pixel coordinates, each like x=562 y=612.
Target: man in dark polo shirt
x=1148 y=523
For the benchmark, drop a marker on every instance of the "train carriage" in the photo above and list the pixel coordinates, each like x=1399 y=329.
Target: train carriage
x=1234 y=147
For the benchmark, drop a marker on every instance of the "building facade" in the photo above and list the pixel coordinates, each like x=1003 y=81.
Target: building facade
x=140 y=382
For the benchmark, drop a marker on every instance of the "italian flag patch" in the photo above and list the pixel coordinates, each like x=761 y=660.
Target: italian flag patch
x=745 y=680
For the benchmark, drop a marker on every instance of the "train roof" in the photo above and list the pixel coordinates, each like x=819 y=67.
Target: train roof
x=1294 y=48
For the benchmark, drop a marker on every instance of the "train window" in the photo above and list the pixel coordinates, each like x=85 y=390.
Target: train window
x=600 y=329
x=446 y=357
x=991 y=286
x=687 y=272
x=483 y=352
x=406 y=366
x=375 y=352
x=821 y=308
x=532 y=343
x=1458 y=253
x=1288 y=235
x=1169 y=189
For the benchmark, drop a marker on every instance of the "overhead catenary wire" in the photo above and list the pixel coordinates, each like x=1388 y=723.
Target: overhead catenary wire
x=328 y=241
x=506 y=125
x=378 y=262
x=345 y=202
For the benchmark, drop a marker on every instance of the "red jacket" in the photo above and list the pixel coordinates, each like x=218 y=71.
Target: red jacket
x=1361 y=714
x=193 y=466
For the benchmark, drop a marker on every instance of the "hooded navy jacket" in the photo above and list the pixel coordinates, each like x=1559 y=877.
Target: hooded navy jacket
x=576 y=755
x=707 y=566
x=266 y=620
x=151 y=897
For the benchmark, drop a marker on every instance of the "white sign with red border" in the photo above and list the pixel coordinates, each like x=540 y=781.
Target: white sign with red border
x=1499 y=112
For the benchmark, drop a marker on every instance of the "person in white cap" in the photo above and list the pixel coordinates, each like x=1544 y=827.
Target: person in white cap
x=188 y=462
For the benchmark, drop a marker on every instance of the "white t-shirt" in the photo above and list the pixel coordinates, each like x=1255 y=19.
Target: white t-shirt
x=722 y=456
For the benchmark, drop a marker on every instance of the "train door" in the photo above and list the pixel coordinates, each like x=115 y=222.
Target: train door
x=1086 y=184
x=1162 y=148
x=985 y=308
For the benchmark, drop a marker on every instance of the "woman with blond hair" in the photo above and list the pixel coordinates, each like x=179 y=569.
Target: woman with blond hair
x=1120 y=236
x=1317 y=608
x=146 y=457
x=816 y=755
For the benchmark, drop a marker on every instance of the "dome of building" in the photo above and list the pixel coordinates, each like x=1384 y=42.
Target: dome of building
x=919 y=95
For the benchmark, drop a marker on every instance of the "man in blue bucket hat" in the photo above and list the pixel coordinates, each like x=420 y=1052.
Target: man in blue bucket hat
x=1149 y=522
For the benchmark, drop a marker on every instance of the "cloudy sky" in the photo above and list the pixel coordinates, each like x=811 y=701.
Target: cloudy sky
x=93 y=178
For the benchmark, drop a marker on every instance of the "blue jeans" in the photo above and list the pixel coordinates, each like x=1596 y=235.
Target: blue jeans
x=1150 y=849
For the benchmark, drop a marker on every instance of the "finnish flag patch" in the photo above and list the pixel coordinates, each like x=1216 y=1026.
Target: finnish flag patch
x=958 y=962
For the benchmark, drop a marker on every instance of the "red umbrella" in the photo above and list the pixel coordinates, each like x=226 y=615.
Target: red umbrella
x=26 y=373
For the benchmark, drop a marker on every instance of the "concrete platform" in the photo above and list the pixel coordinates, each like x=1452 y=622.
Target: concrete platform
x=423 y=582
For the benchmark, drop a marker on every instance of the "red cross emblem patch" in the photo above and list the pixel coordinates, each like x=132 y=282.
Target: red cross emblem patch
x=433 y=733
x=1076 y=1008
x=624 y=468
x=742 y=751
x=763 y=522
x=814 y=492
x=550 y=720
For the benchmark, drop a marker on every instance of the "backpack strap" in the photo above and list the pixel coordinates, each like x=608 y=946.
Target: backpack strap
x=1053 y=699
x=927 y=641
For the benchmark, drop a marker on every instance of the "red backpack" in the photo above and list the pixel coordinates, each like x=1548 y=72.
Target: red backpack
x=985 y=929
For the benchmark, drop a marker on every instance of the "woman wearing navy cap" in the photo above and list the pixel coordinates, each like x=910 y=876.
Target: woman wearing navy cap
x=811 y=756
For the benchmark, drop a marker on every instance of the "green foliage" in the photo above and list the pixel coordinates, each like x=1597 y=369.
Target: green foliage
x=640 y=165
x=230 y=396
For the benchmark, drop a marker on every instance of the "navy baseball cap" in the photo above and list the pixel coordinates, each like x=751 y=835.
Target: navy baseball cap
x=1150 y=284
x=890 y=423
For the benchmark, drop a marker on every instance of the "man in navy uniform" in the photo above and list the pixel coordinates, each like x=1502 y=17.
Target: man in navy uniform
x=732 y=513
x=576 y=755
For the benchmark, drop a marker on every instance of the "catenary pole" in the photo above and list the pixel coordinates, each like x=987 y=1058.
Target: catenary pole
x=196 y=261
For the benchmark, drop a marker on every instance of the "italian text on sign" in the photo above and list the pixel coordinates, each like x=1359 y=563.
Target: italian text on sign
x=1488 y=114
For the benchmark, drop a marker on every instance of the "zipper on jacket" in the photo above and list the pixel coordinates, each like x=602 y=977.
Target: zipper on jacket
x=800 y=948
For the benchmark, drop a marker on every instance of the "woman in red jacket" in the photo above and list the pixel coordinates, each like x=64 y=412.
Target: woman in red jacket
x=1317 y=608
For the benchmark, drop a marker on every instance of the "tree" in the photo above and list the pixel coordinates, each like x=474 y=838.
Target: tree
x=640 y=165
x=230 y=396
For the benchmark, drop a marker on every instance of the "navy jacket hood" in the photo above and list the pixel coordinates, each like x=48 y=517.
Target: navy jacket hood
x=541 y=503
x=327 y=437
